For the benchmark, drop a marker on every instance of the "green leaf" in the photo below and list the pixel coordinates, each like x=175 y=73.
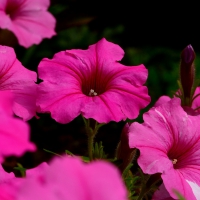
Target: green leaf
x=98 y=152
x=48 y=151
x=85 y=159
x=69 y=153
x=21 y=169
x=180 y=197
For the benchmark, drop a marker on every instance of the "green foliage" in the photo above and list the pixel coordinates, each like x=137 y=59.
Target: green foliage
x=21 y=169
x=98 y=152
x=51 y=152
x=180 y=197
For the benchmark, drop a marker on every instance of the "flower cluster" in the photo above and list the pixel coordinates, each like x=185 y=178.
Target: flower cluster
x=94 y=84
x=87 y=82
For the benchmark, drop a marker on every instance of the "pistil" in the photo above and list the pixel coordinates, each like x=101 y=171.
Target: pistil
x=174 y=161
x=92 y=93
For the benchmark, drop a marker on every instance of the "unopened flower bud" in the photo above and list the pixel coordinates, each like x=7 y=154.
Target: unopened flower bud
x=187 y=71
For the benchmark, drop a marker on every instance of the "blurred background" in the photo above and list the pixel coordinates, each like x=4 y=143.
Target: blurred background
x=152 y=34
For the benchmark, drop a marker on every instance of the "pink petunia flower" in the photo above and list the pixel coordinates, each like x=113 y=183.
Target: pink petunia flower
x=14 y=133
x=29 y=20
x=70 y=178
x=92 y=83
x=169 y=143
x=20 y=81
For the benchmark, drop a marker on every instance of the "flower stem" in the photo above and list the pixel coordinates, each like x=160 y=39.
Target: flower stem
x=151 y=182
x=91 y=132
x=90 y=145
x=142 y=193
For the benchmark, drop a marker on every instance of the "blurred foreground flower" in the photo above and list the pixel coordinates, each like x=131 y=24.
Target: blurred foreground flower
x=14 y=133
x=29 y=20
x=8 y=185
x=20 y=81
x=92 y=83
x=169 y=143
x=68 y=178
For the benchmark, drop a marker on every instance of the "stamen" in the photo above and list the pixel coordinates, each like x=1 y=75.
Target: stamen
x=174 y=161
x=92 y=93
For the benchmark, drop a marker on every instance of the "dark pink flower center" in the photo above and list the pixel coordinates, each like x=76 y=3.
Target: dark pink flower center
x=181 y=154
x=95 y=84
x=11 y=9
x=175 y=155
x=175 y=161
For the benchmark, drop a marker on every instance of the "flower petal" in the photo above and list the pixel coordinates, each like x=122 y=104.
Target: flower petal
x=195 y=189
x=14 y=137
x=174 y=180
x=14 y=133
x=20 y=81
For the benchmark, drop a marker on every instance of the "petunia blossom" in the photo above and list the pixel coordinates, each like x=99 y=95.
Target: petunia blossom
x=20 y=81
x=169 y=143
x=29 y=20
x=70 y=178
x=92 y=83
x=14 y=133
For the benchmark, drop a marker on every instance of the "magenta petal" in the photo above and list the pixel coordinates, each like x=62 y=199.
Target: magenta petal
x=14 y=133
x=9 y=185
x=6 y=102
x=161 y=100
x=35 y=29
x=196 y=102
x=101 y=53
x=92 y=83
x=177 y=182
x=37 y=171
x=7 y=189
x=14 y=137
x=63 y=106
x=20 y=81
x=98 y=179
x=195 y=189
x=28 y=20
x=4 y=176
